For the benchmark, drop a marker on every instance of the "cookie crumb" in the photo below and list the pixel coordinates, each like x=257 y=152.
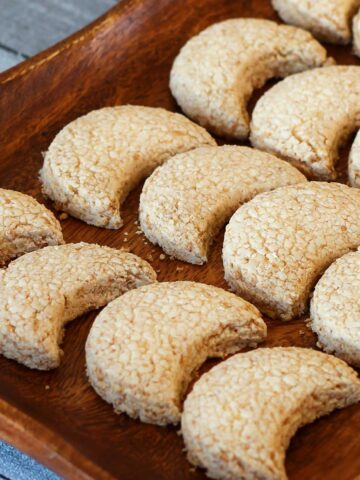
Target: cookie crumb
x=63 y=216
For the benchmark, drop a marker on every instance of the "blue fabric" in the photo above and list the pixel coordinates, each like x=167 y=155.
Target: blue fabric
x=15 y=465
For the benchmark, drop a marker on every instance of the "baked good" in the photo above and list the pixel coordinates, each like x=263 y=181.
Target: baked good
x=277 y=245
x=307 y=117
x=216 y=71
x=186 y=201
x=146 y=346
x=43 y=290
x=239 y=418
x=25 y=225
x=95 y=161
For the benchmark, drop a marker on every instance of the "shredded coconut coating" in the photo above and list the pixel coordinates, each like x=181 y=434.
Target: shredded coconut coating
x=41 y=291
x=335 y=309
x=239 y=418
x=25 y=225
x=146 y=346
x=354 y=163
x=95 y=161
x=328 y=20
x=356 y=34
x=307 y=117
x=217 y=71
x=186 y=202
x=277 y=245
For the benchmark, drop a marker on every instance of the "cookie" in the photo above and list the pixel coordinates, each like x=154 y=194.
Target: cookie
x=216 y=72
x=185 y=203
x=307 y=117
x=239 y=418
x=335 y=309
x=146 y=346
x=25 y=225
x=95 y=161
x=328 y=20
x=43 y=290
x=277 y=245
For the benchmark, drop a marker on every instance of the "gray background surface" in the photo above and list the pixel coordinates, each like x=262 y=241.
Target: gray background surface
x=26 y=28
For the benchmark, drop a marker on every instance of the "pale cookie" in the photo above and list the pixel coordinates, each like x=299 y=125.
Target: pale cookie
x=277 y=245
x=307 y=117
x=145 y=347
x=354 y=163
x=41 y=291
x=216 y=72
x=95 y=161
x=335 y=309
x=25 y=225
x=186 y=202
x=239 y=418
x=356 y=34
x=328 y=20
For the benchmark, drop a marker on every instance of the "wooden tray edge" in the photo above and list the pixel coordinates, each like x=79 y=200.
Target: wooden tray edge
x=28 y=435
x=94 y=28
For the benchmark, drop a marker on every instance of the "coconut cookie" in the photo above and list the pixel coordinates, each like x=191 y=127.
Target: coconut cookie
x=239 y=418
x=277 y=245
x=307 y=117
x=95 y=161
x=328 y=20
x=146 y=346
x=41 y=291
x=186 y=202
x=354 y=162
x=356 y=34
x=217 y=71
x=335 y=309
x=25 y=225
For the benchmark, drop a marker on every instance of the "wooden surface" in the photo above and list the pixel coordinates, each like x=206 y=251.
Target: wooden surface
x=56 y=416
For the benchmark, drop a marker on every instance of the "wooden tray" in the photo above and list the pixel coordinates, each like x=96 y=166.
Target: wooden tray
x=124 y=57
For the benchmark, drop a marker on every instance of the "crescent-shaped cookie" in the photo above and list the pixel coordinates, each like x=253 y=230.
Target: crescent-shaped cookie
x=335 y=309
x=41 y=291
x=354 y=163
x=95 y=161
x=277 y=245
x=217 y=71
x=25 y=225
x=307 y=117
x=328 y=20
x=146 y=346
x=356 y=34
x=239 y=418
x=187 y=201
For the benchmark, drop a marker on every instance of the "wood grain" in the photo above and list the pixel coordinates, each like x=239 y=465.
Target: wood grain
x=125 y=57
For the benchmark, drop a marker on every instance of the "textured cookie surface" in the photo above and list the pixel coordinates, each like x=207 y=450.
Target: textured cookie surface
x=335 y=309
x=277 y=245
x=239 y=418
x=95 y=161
x=25 y=225
x=307 y=117
x=354 y=163
x=356 y=34
x=41 y=291
x=185 y=202
x=328 y=20
x=216 y=72
x=145 y=347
